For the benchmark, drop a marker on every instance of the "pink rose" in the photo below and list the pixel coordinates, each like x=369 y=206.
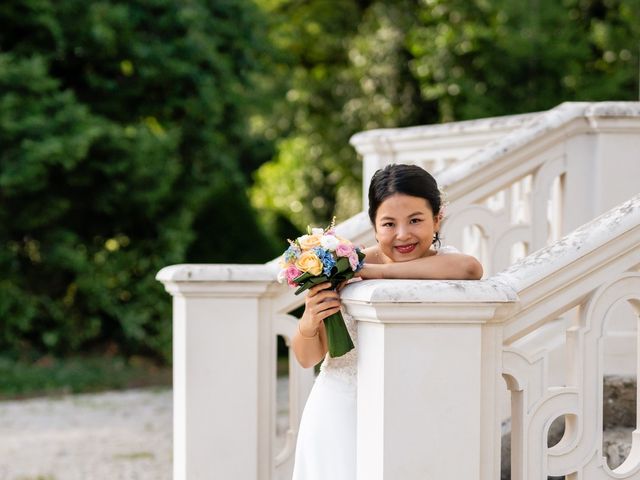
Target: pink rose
x=344 y=250
x=291 y=273
x=354 y=261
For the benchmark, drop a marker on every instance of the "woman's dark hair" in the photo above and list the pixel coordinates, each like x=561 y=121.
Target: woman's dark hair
x=405 y=179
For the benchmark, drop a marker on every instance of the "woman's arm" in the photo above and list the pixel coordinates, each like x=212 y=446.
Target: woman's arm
x=309 y=343
x=451 y=266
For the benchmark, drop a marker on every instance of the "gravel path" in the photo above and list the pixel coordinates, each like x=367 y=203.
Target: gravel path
x=116 y=436
x=106 y=436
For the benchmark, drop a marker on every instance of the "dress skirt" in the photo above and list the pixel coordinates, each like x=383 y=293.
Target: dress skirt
x=326 y=445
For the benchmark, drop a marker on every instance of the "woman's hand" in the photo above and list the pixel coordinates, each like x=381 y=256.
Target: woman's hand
x=370 y=271
x=321 y=301
x=343 y=284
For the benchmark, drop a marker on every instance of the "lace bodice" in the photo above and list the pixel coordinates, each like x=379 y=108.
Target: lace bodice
x=346 y=366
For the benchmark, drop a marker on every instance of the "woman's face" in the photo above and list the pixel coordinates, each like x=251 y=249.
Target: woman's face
x=405 y=226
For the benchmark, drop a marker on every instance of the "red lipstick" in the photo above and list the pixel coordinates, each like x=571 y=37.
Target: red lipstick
x=405 y=248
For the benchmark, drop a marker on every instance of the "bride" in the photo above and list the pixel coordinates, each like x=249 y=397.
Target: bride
x=405 y=210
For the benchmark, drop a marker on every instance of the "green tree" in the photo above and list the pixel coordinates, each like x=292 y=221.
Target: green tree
x=125 y=147
x=479 y=59
x=343 y=70
x=376 y=64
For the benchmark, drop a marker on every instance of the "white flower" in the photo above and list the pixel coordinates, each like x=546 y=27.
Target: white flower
x=317 y=231
x=329 y=242
x=282 y=275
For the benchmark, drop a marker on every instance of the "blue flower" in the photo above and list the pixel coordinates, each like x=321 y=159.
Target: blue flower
x=327 y=259
x=292 y=253
x=360 y=262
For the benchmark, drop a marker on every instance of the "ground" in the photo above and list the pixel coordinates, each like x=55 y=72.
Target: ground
x=123 y=435
x=116 y=435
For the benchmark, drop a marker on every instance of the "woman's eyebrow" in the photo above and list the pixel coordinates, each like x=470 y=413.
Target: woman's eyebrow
x=386 y=217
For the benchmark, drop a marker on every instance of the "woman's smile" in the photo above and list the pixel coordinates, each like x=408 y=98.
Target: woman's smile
x=406 y=248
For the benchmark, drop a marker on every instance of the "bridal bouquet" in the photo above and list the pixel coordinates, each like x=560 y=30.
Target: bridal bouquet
x=322 y=256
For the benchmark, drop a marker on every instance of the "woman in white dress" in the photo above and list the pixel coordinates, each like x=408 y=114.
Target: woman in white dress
x=405 y=210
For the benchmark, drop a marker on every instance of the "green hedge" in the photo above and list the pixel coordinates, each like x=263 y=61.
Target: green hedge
x=123 y=143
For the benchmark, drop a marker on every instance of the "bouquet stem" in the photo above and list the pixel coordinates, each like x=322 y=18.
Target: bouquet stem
x=337 y=335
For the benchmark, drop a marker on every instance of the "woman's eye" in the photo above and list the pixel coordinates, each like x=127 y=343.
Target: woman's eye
x=416 y=220
x=387 y=224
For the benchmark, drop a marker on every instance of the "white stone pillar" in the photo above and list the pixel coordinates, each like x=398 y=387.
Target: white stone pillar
x=221 y=381
x=376 y=152
x=603 y=165
x=428 y=378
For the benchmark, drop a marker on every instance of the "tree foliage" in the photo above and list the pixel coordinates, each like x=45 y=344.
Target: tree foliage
x=130 y=130
x=479 y=59
x=377 y=64
x=124 y=143
x=343 y=70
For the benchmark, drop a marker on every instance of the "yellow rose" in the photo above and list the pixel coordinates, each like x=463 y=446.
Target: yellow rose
x=307 y=242
x=309 y=262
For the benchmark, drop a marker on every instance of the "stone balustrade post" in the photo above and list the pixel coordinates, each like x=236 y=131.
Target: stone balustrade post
x=429 y=373
x=221 y=383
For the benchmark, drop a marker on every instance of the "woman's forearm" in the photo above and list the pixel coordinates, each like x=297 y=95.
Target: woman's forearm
x=310 y=341
x=309 y=347
x=452 y=266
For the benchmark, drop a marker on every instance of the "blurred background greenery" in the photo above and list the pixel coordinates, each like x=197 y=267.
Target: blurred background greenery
x=142 y=133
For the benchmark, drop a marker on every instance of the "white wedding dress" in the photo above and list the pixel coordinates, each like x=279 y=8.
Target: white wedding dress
x=326 y=446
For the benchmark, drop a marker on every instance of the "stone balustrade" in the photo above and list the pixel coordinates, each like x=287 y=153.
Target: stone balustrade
x=435 y=353
x=225 y=324
x=432 y=355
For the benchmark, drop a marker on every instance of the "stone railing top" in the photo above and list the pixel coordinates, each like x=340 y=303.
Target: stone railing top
x=356 y=228
x=428 y=291
x=540 y=264
x=217 y=273
x=612 y=109
x=539 y=125
x=394 y=138
x=404 y=134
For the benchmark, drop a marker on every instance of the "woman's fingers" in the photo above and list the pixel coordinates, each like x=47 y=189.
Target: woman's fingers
x=341 y=285
x=319 y=305
x=318 y=309
x=324 y=305
x=327 y=312
x=322 y=301
x=318 y=288
x=321 y=292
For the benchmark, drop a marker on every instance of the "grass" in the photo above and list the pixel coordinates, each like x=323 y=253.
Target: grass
x=56 y=376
